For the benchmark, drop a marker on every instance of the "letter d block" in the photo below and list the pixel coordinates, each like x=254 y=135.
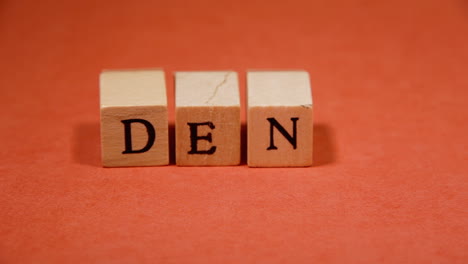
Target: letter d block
x=134 y=126
x=280 y=125
x=207 y=118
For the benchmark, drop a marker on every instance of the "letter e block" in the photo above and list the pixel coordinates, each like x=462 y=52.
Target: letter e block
x=134 y=125
x=207 y=118
x=280 y=124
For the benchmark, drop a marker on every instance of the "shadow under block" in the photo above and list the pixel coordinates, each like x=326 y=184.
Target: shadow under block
x=207 y=119
x=280 y=119
x=134 y=125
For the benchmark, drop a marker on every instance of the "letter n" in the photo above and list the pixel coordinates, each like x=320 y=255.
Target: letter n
x=292 y=139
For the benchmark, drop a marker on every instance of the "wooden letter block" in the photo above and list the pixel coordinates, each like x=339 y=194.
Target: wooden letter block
x=134 y=126
x=280 y=123
x=207 y=118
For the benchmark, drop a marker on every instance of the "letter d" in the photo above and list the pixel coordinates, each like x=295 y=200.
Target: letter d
x=128 y=135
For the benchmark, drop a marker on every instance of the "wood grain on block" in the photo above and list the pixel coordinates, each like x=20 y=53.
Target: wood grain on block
x=280 y=124
x=207 y=118
x=134 y=125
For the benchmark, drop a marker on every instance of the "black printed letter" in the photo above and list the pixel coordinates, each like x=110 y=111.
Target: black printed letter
x=128 y=135
x=194 y=138
x=274 y=123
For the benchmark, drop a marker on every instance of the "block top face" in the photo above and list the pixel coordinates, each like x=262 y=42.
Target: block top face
x=209 y=88
x=279 y=88
x=133 y=88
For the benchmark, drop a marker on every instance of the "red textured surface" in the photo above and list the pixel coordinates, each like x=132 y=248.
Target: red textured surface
x=391 y=145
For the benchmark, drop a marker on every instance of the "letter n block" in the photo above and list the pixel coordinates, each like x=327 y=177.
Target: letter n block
x=280 y=124
x=207 y=118
x=134 y=126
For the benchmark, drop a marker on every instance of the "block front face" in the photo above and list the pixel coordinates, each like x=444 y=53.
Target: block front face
x=134 y=136
x=272 y=141
x=208 y=136
x=280 y=124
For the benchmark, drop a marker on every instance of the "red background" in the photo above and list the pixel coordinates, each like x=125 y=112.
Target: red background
x=390 y=89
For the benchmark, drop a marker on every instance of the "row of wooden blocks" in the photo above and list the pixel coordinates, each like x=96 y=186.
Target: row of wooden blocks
x=134 y=118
